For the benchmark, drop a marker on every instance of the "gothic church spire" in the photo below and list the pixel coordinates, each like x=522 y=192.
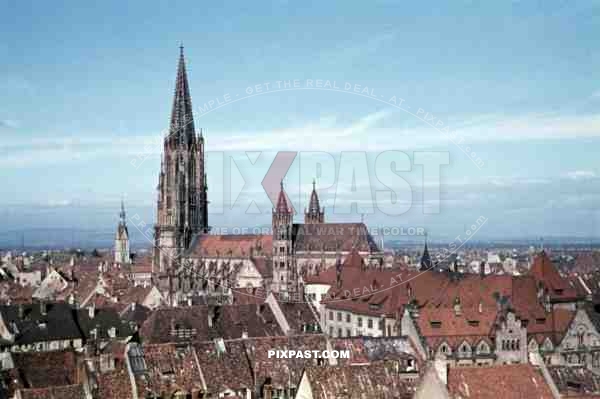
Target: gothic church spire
x=181 y=128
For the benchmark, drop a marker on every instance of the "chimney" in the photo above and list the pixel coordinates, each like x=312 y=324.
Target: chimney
x=457 y=307
x=267 y=391
x=480 y=308
x=132 y=306
x=21 y=311
x=189 y=302
x=43 y=309
x=91 y=311
x=211 y=316
x=482 y=269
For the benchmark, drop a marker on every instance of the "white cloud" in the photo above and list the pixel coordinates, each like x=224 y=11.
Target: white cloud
x=59 y=203
x=324 y=134
x=580 y=174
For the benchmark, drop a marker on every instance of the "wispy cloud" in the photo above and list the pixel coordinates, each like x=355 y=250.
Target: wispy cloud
x=580 y=174
x=371 y=132
x=9 y=123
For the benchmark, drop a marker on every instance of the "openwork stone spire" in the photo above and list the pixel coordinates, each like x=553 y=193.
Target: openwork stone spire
x=181 y=128
x=182 y=193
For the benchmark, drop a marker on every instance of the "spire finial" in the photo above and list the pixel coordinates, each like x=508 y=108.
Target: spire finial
x=281 y=184
x=181 y=49
x=314 y=183
x=122 y=215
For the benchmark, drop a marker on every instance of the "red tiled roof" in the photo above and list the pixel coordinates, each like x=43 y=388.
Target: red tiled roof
x=439 y=324
x=519 y=381
x=587 y=262
x=282 y=372
x=228 y=322
x=169 y=369
x=225 y=369
x=333 y=237
x=114 y=384
x=235 y=246
x=39 y=370
x=375 y=380
x=544 y=271
x=58 y=392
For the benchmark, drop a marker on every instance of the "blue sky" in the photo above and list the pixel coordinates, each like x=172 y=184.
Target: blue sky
x=86 y=87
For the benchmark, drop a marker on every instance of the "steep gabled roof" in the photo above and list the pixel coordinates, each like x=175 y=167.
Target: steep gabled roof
x=331 y=237
x=546 y=273
x=224 y=368
x=507 y=381
x=375 y=380
x=230 y=245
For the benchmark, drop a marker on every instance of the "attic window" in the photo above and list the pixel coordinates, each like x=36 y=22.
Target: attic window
x=436 y=324
x=540 y=321
x=374 y=306
x=474 y=323
x=558 y=292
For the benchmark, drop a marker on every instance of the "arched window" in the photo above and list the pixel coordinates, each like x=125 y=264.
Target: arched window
x=483 y=348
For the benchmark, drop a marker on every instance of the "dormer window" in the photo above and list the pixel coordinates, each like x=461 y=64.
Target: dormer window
x=474 y=323
x=436 y=324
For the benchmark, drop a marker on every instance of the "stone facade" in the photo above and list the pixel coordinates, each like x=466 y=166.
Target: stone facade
x=581 y=344
x=511 y=341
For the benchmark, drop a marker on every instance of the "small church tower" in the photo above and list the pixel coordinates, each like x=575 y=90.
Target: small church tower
x=426 y=262
x=282 y=220
x=122 y=254
x=314 y=214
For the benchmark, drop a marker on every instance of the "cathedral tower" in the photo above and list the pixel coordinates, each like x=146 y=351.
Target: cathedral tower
x=182 y=205
x=283 y=267
x=314 y=213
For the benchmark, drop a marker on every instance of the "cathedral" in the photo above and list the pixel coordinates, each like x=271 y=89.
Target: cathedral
x=188 y=260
